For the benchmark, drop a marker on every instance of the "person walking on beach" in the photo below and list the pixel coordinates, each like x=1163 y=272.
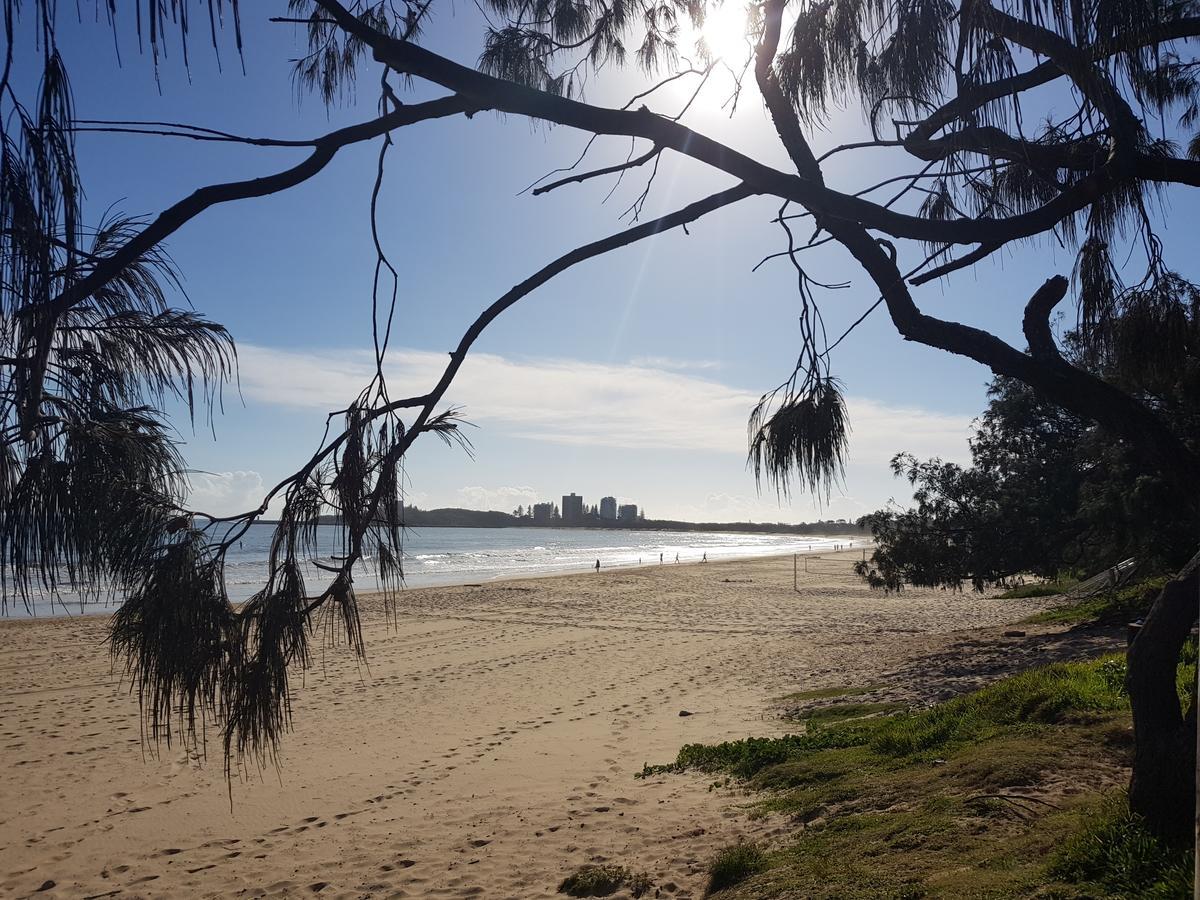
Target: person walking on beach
x=677 y=559
x=704 y=558
x=597 y=566
x=660 y=559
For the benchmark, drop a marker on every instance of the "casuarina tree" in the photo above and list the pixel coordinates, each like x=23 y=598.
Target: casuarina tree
x=1010 y=122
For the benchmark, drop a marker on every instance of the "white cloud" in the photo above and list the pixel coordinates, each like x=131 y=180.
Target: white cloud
x=571 y=402
x=504 y=499
x=225 y=493
x=670 y=362
x=724 y=507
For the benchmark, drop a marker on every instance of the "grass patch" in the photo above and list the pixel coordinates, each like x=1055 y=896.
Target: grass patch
x=600 y=881
x=827 y=693
x=1003 y=792
x=1110 y=607
x=1040 y=589
x=841 y=712
x=733 y=865
x=1115 y=852
x=1037 y=696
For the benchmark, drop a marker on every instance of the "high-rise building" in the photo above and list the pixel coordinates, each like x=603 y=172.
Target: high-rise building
x=627 y=512
x=572 y=509
x=608 y=507
x=543 y=513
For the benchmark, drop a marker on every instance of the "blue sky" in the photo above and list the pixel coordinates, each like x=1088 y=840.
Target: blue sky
x=631 y=375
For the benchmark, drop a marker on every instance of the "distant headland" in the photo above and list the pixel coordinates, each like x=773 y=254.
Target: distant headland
x=452 y=517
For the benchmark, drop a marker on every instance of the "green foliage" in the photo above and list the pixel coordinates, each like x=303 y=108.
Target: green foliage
x=600 y=881
x=733 y=865
x=1185 y=674
x=1038 y=697
x=1114 y=672
x=840 y=712
x=1046 y=493
x=1117 y=852
x=805 y=437
x=1110 y=607
x=998 y=518
x=89 y=484
x=1040 y=589
x=747 y=757
x=827 y=693
x=963 y=799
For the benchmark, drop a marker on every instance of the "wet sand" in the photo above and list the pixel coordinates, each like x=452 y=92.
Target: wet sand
x=487 y=749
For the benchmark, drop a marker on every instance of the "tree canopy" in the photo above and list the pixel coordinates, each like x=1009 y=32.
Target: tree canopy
x=1046 y=494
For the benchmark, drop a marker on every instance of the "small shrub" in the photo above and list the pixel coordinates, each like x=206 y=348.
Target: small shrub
x=733 y=865
x=639 y=883
x=600 y=881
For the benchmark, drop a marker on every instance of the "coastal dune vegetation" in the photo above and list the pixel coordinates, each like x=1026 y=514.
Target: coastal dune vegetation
x=1015 y=789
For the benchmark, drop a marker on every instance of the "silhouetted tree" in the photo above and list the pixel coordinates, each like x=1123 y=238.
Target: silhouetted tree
x=951 y=88
x=1046 y=492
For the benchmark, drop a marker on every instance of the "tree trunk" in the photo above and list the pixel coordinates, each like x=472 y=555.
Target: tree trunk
x=1163 y=787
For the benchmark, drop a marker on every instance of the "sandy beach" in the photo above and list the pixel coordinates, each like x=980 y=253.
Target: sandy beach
x=489 y=746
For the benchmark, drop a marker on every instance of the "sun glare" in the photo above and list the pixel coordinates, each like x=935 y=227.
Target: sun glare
x=724 y=32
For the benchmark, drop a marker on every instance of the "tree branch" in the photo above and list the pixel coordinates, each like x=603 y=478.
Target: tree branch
x=1036 y=323
x=174 y=217
x=967 y=259
x=607 y=170
x=506 y=96
x=1068 y=386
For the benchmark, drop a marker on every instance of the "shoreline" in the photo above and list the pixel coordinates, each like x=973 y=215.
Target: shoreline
x=629 y=567
x=106 y=609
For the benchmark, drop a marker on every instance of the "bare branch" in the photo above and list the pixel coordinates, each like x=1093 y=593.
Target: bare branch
x=174 y=217
x=597 y=173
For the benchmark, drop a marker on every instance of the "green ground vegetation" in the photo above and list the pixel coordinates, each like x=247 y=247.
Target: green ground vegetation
x=843 y=712
x=1109 y=607
x=1040 y=589
x=733 y=865
x=600 y=881
x=828 y=693
x=1012 y=790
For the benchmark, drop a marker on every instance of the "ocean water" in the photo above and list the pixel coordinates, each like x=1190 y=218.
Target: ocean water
x=440 y=556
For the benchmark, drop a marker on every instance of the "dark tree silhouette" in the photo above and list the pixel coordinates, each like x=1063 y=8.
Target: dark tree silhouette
x=951 y=88
x=1046 y=493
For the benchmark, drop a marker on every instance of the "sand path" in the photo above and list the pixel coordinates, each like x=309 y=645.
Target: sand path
x=488 y=751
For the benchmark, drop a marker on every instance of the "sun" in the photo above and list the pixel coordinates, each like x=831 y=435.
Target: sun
x=724 y=32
